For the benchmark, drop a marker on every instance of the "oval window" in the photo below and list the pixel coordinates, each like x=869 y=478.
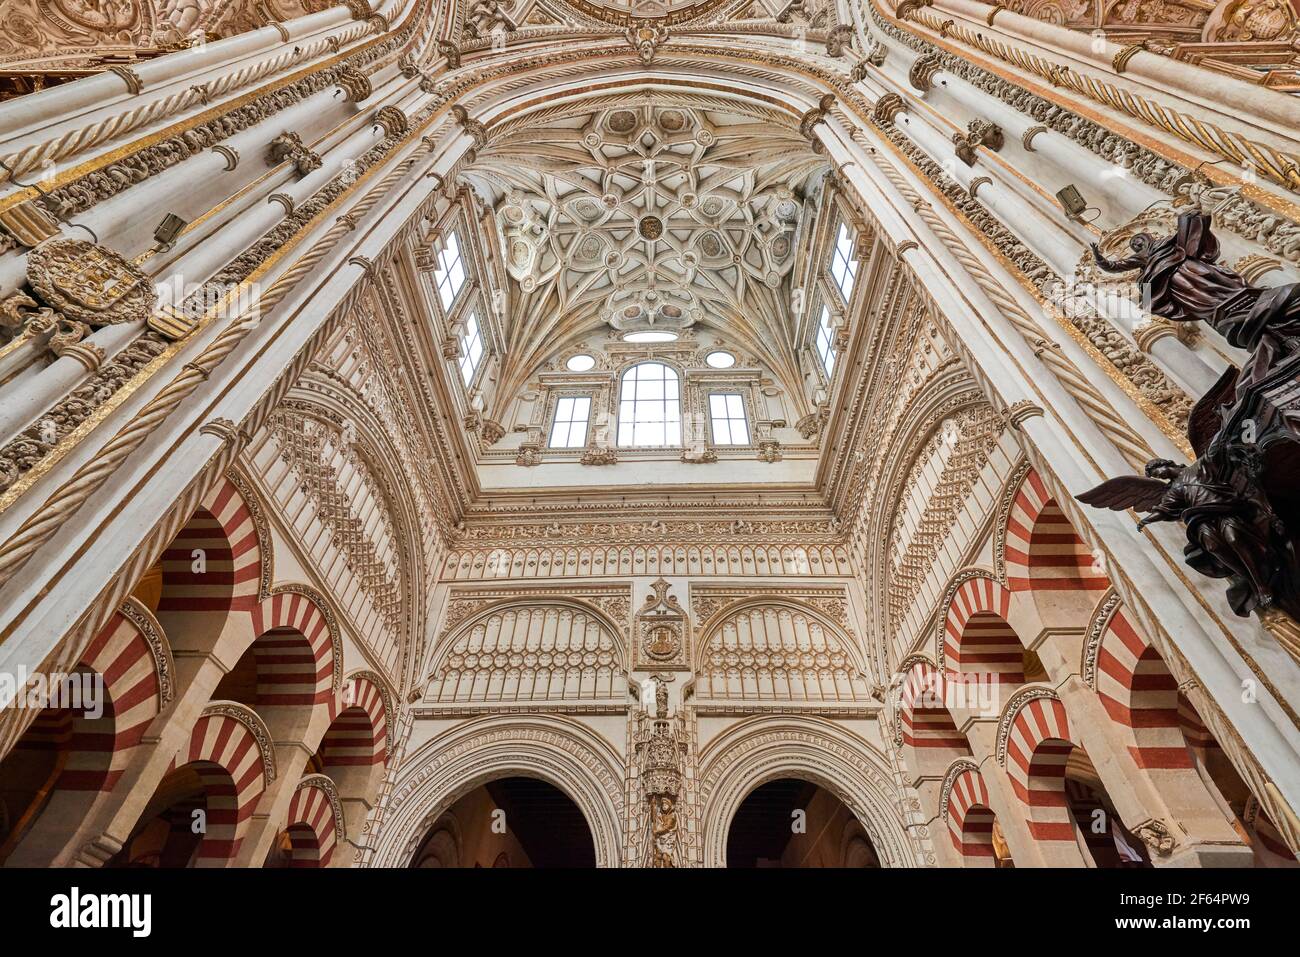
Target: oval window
x=650 y=337
x=580 y=363
x=720 y=360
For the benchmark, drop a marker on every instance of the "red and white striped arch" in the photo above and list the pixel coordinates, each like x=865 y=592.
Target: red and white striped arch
x=231 y=573
x=977 y=637
x=925 y=718
x=358 y=731
x=121 y=654
x=294 y=650
x=1043 y=551
x=1038 y=746
x=312 y=824
x=1139 y=693
x=970 y=819
x=224 y=750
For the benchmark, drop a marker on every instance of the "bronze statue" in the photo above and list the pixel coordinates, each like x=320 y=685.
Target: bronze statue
x=1238 y=499
x=1232 y=531
x=1182 y=281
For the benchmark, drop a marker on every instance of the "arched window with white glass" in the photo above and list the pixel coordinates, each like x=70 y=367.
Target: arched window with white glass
x=844 y=268
x=449 y=271
x=825 y=342
x=649 y=409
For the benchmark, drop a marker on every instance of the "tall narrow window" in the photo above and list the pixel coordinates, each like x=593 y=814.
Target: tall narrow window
x=826 y=342
x=650 y=413
x=569 y=430
x=449 y=275
x=727 y=412
x=844 y=268
x=471 y=349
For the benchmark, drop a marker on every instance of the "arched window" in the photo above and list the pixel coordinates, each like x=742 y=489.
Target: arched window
x=650 y=412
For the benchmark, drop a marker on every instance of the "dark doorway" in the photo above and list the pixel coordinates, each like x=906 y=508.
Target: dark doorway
x=793 y=823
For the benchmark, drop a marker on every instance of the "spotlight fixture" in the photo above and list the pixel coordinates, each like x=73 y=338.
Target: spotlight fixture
x=1072 y=201
x=169 y=229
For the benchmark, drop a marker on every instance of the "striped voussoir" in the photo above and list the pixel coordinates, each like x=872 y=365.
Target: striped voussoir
x=312 y=828
x=1038 y=747
x=294 y=651
x=214 y=563
x=977 y=638
x=1140 y=694
x=970 y=820
x=1043 y=551
x=119 y=653
x=927 y=723
x=83 y=744
x=358 y=731
x=228 y=760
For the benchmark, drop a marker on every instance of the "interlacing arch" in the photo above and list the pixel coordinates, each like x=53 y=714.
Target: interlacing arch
x=215 y=562
x=767 y=647
x=531 y=648
x=315 y=822
x=965 y=806
x=976 y=637
x=230 y=749
x=1035 y=742
x=359 y=721
x=296 y=649
x=929 y=734
x=1141 y=695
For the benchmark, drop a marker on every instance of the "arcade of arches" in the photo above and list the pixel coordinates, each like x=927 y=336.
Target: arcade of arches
x=563 y=433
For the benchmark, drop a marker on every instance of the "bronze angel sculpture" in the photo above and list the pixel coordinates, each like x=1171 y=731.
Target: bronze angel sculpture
x=1240 y=499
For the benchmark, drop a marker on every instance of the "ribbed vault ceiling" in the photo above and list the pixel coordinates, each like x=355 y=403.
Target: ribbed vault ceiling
x=642 y=213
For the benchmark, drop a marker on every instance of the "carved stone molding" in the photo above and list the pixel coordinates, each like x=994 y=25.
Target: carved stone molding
x=355 y=84
x=135 y=611
x=392 y=121
x=253 y=722
x=1013 y=706
x=229 y=154
x=958 y=767
x=289 y=147
x=323 y=782
x=921 y=75
x=1101 y=619
x=1027 y=137
x=888 y=107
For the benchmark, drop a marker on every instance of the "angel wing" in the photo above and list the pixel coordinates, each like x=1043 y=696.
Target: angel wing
x=1204 y=422
x=1128 y=491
